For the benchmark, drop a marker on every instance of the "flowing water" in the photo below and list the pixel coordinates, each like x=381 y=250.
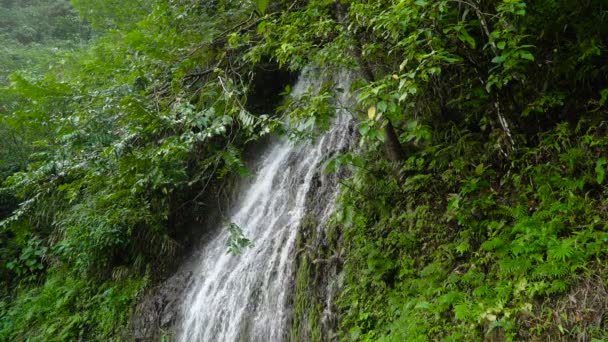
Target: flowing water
x=247 y=297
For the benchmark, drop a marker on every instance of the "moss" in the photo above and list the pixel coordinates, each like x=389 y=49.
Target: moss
x=306 y=310
x=307 y=307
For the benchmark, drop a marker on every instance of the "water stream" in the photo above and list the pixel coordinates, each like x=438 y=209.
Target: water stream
x=246 y=297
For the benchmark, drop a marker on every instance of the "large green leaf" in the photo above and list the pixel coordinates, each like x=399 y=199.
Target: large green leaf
x=263 y=5
x=600 y=170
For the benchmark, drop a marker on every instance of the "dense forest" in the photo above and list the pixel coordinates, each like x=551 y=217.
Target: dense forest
x=475 y=206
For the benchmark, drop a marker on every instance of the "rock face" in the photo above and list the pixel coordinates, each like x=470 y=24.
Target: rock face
x=156 y=315
x=316 y=280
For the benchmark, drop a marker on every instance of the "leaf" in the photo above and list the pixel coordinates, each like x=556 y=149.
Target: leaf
x=498 y=59
x=463 y=248
x=465 y=37
x=371 y=113
x=382 y=106
x=262 y=26
x=479 y=169
x=236 y=240
x=423 y=305
x=526 y=55
x=604 y=96
x=331 y=166
x=600 y=170
x=462 y=311
x=262 y=6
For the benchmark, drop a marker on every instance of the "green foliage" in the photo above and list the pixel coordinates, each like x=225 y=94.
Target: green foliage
x=236 y=240
x=36 y=33
x=67 y=308
x=307 y=311
x=121 y=145
x=30 y=259
x=493 y=216
x=498 y=205
x=113 y=14
x=262 y=5
x=310 y=312
x=464 y=253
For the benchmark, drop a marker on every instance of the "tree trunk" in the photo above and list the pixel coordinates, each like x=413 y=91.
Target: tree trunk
x=394 y=149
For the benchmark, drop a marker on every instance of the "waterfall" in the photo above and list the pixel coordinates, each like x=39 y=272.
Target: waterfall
x=246 y=297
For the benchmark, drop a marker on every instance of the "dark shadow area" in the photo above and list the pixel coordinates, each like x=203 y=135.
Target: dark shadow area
x=269 y=82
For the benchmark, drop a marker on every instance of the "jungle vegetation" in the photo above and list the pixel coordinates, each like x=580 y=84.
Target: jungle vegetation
x=477 y=206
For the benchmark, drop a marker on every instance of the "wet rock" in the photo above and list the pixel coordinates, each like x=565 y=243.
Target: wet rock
x=157 y=313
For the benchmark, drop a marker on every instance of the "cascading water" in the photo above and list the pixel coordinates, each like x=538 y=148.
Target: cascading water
x=246 y=297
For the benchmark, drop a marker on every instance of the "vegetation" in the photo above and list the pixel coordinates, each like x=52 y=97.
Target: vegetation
x=477 y=205
x=123 y=140
x=36 y=33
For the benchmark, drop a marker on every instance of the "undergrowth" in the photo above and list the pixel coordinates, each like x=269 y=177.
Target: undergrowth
x=66 y=307
x=465 y=246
